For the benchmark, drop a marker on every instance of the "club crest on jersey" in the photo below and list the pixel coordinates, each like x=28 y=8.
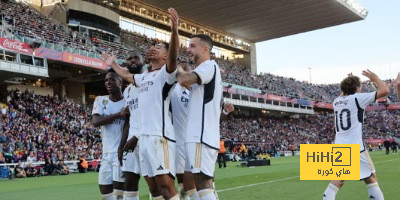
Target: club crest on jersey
x=105 y=101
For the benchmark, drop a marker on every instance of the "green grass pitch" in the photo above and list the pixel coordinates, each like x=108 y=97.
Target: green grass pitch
x=278 y=181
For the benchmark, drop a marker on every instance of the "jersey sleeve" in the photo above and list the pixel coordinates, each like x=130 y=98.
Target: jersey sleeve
x=138 y=79
x=205 y=72
x=97 y=108
x=170 y=77
x=364 y=99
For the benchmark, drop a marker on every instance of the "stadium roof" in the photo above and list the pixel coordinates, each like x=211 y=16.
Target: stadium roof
x=259 y=20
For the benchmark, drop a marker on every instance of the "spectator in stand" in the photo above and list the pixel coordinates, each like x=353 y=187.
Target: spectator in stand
x=31 y=158
x=397 y=83
x=63 y=168
x=31 y=171
x=19 y=171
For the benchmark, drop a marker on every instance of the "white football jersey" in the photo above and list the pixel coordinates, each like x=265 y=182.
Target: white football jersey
x=349 y=117
x=180 y=110
x=154 y=94
x=110 y=133
x=131 y=96
x=205 y=106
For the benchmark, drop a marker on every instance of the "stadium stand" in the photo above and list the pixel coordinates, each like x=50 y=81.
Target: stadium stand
x=29 y=23
x=59 y=129
x=49 y=127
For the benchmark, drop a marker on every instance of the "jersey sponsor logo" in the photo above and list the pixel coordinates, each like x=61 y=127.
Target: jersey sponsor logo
x=144 y=87
x=133 y=104
x=185 y=101
x=329 y=162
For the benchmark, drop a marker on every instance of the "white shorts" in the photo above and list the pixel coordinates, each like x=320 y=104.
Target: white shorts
x=110 y=170
x=157 y=156
x=201 y=158
x=131 y=161
x=367 y=168
x=180 y=159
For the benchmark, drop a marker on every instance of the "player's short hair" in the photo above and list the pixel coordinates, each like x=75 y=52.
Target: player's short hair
x=205 y=38
x=111 y=70
x=166 y=45
x=349 y=85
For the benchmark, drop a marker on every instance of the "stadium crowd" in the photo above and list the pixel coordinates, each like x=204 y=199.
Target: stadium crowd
x=46 y=129
x=27 y=22
x=52 y=129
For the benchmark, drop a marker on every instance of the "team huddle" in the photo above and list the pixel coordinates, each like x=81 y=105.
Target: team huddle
x=166 y=122
x=164 y=125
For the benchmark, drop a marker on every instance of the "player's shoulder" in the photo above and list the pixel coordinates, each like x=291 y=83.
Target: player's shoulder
x=209 y=63
x=101 y=97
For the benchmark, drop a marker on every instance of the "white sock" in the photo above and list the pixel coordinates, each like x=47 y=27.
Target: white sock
x=107 y=196
x=215 y=191
x=131 y=195
x=330 y=192
x=118 y=194
x=374 y=191
x=192 y=194
x=158 y=198
x=181 y=191
x=176 y=197
x=207 y=194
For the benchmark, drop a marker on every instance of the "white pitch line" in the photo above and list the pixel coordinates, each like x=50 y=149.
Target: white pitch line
x=250 y=185
x=387 y=161
x=278 y=180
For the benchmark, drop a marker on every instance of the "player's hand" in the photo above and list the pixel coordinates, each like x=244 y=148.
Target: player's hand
x=228 y=107
x=397 y=81
x=124 y=112
x=108 y=59
x=173 y=16
x=131 y=144
x=371 y=75
x=151 y=53
x=120 y=155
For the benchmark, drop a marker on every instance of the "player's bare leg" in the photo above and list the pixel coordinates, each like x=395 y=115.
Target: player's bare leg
x=153 y=188
x=166 y=186
x=190 y=186
x=131 y=186
x=374 y=191
x=333 y=187
x=204 y=186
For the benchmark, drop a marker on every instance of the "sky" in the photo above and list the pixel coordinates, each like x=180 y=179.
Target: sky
x=334 y=52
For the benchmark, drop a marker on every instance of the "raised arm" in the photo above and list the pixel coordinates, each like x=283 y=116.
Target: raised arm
x=383 y=89
x=174 y=42
x=122 y=72
x=397 y=82
x=99 y=120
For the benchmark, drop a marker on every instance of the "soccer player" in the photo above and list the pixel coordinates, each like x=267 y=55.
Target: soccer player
x=180 y=108
x=202 y=139
x=130 y=162
x=397 y=82
x=157 y=137
x=349 y=117
x=108 y=113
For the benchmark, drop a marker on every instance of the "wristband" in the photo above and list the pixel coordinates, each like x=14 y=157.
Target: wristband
x=225 y=112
